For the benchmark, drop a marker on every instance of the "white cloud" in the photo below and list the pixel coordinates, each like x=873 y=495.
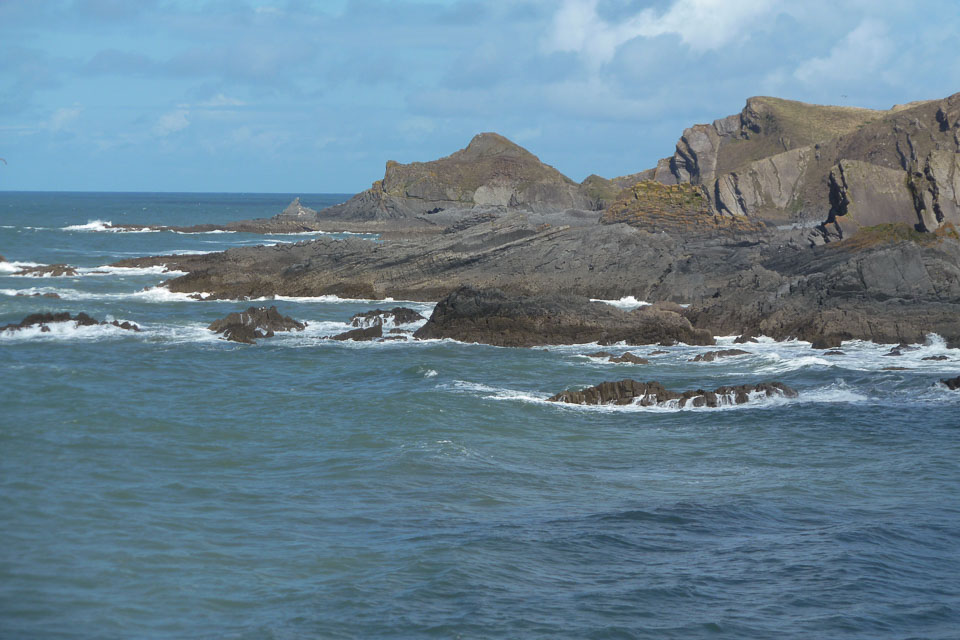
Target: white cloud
x=62 y=118
x=171 y=122
x=862 y=50
x=702 y=25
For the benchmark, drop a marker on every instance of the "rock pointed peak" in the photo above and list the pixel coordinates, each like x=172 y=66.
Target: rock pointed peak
x=297 y=210
x=493 y=144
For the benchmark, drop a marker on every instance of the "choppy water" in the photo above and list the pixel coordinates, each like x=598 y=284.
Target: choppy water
x=168 y=484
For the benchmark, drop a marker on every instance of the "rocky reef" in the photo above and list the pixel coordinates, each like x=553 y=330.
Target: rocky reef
x=48 y=270
x=395 y=316
x=654 y=394
x=254 y=323
x=43 y=320
x=490 y=316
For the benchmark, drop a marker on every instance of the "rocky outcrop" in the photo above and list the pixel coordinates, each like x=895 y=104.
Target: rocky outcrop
x=296 y=211
x=650 y=394
x=254 y=323
x=489 y=316
x=48 y=270
x=952 y=383
x=710 y=356
x=395 y=316
x=52 y=295
x=491 y=172
x=625 y=358
x=365 y=334
x=81 y=320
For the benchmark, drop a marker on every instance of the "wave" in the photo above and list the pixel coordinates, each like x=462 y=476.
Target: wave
x=106 y=225
x=626 y=302
x=58 y=331
x=835 y=393
x=13 y=267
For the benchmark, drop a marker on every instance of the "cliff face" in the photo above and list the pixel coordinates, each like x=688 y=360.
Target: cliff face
x=491 y=172
x=790 y=162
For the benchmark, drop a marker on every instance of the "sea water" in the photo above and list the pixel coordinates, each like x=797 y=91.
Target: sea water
x=169 y=484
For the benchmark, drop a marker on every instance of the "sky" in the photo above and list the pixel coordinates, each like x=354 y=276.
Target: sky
x=301 y=96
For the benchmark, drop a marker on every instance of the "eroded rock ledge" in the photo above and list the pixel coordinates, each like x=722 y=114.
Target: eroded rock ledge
x=490 y=316
x=649 y=394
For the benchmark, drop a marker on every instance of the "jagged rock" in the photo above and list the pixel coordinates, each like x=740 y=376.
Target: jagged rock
x=81 y=320
x=397 y=315
x=647 y=394
x=256 y=322
x=628 y=358
x=826 y=342
x=952 y=383
x=936 y=358
x=48 y=270
x=490 y=316
x=746 y=338
x=361 y=335
x=39 y=295
x=296 y=211
x=710 y=356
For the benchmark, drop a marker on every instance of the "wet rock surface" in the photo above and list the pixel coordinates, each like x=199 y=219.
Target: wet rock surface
x=397 y=315
x=710 y=356
x=952 y=383
x=254 y=323
x=81 y=319
x=490 y=316
x=648 y=394
x=48 y=270
x=53 y=296
x=363 y=334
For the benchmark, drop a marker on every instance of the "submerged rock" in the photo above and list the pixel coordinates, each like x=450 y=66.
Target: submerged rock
x=628 y=358
x=255 y=322
x=936 y=358
x=834 y=353
x=39 y=295
x=397 y=315
x=952 y=383
x=363 y=334
x=48 y=270
x=81 y=320
x=490 y=316
x=710 y=356
x=648 y=394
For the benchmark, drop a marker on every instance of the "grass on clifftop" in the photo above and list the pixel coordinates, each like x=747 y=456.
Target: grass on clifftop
x=893 y=233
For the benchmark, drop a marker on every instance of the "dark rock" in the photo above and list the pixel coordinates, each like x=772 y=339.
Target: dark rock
x=256 y=322
x=361 y=335
x=490 y=316
x=648 y=394
x=391 y=338
x=51 y=270
x=658 y=352
x=896 y=369
x=39 y=295
x=834 y=353
x=399 y=315
x=826 y=342
x=745 y=338
x=81 y=320
x=600 y=354
x=710 y=356
x=952 y=383
x=628 y=358
x=936 y=358
x=2 y=259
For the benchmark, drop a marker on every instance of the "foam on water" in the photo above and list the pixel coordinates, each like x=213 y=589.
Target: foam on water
x=60 y=331
x=13 y=267
x=626 y=303
x=106 y=225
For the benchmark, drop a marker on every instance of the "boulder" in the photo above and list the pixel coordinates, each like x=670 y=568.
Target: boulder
x=397 y=315
x=362 y=335
x=648 y=394
x=834 y=353
x=952 y=383
x=490 y=316
x=255 y=322
x=628 y=358
x=710 y=356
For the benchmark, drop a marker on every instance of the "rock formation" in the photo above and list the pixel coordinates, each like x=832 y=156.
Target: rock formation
x=710 y=356
x=256 y=322
x=373 y=332
x=81 y=320
x=397 y=315
x=952 y=383
x=649 y=394
x=48 y=270
x=489 y=316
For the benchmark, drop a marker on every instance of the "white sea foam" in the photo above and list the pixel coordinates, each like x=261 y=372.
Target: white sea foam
x=13 y=267
x=106 y=225
x=430 y=373
x=200 y=233
x=59 y=331
x=626 y=303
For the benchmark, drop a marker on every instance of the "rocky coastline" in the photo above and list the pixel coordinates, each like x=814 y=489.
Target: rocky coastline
x=787 y=220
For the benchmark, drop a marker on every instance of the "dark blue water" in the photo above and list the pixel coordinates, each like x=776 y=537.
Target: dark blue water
x=167 y=484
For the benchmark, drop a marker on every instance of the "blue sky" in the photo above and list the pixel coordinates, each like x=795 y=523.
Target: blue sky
x=310 y=96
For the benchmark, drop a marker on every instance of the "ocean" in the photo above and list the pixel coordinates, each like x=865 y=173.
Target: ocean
x=170 y=484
